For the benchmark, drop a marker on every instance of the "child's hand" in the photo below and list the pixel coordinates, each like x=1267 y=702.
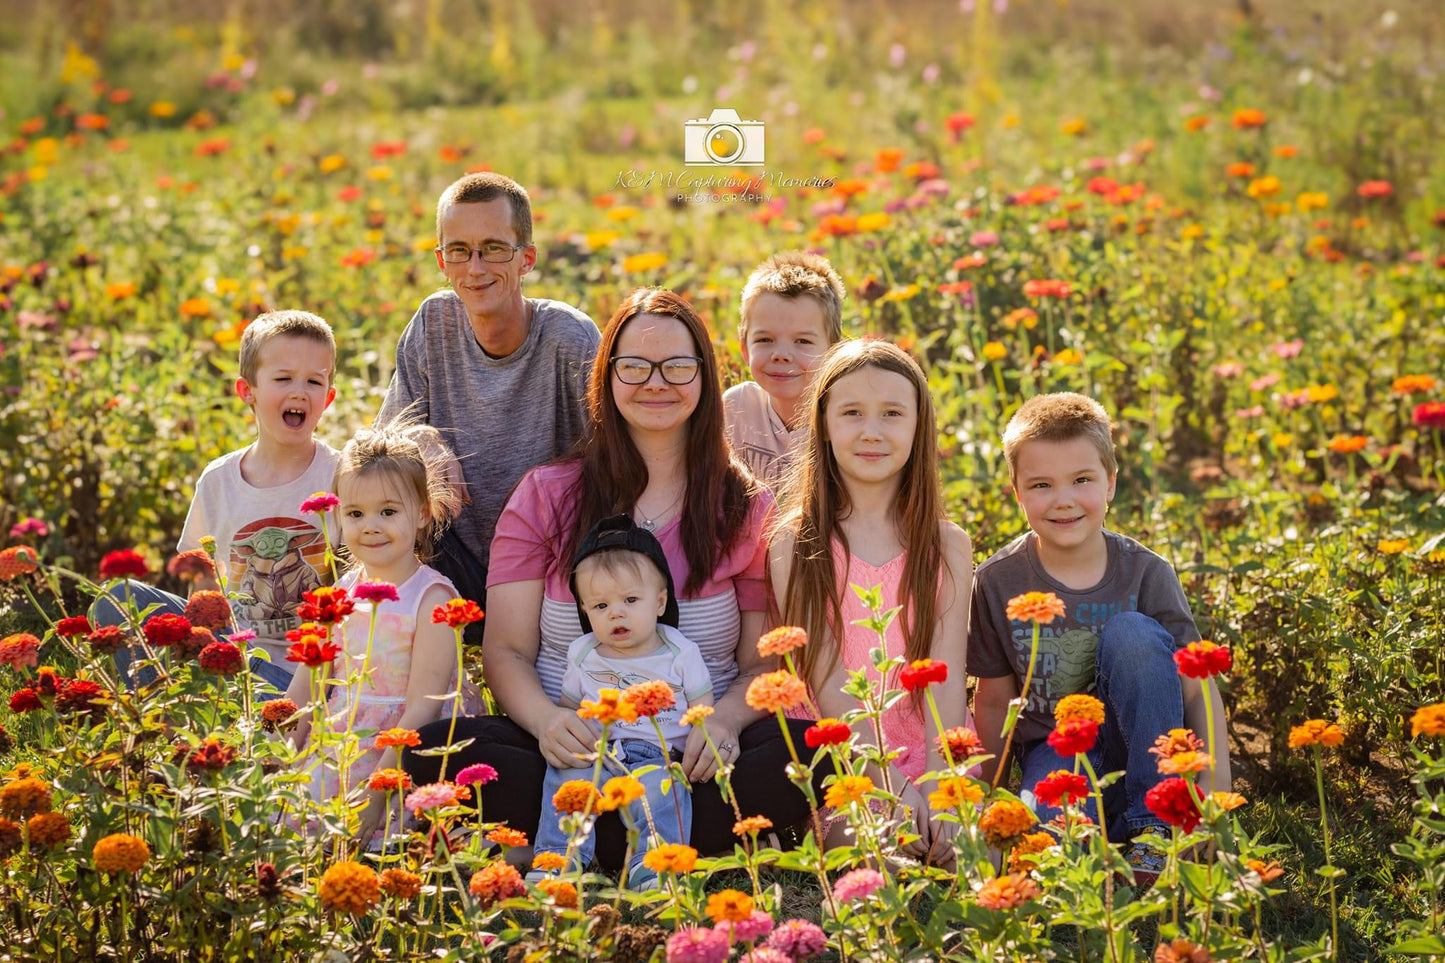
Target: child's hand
x=371 y=817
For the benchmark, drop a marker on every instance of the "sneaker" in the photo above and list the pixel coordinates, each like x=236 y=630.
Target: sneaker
x=1146 y=858
x=643 y=880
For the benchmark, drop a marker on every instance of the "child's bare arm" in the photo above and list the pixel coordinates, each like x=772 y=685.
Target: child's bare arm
x=1222 y=778
x=299 y=692
x=990 y=710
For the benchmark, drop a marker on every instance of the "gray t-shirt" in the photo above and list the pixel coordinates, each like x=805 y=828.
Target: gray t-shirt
x=1135 y=580
x=502 y=417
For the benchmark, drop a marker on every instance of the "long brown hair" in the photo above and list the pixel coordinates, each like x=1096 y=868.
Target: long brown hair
x=719 y=490
x=818 y=497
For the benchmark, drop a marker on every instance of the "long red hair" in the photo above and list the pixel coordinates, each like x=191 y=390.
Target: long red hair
x=719 y=489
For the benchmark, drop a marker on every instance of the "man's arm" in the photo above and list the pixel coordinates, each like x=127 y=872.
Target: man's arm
x=407 y=392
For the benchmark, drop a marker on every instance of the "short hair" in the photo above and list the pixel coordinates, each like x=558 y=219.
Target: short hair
x=1061 y=416
x=795 y=274
x=617 y=561
x=282 y=324
x=487 y=186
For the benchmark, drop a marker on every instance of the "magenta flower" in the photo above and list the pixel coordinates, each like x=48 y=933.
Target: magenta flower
x=245 y=635
x=375 y=592
x=799 y=939
x=28 y=527
x=319 y=503
x=983 y=238
x=479 y=773
x=436 y=795
x=859 y=884
x=750 y=930
x=697 y=945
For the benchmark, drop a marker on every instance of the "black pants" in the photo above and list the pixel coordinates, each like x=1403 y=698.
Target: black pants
x=759 y=779
x=468 y=574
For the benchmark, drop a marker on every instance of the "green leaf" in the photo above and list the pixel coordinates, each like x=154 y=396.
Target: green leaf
x=1419 y=946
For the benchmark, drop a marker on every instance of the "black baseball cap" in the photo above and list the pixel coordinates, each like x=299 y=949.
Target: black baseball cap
x=620 y=532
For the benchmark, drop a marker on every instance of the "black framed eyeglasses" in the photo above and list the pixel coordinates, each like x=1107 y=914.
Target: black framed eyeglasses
x=496 y=252
x=638 y=371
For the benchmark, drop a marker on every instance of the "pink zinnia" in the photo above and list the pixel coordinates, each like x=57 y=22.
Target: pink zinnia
x=375 y=592
x=1264 y=381
x=697 y=945
x=765 y=955
x=245 y=635
x=859 y=884
x=437 y=795
x=750 y=930
x=479 y=773
x=799 y=939
x=30 y=526
x=319 y=503
x=983 y=238
x=1288 y=349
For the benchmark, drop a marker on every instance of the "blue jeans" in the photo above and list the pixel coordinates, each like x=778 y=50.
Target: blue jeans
x=671 y=812
x=1138 y=682
x=107 y=610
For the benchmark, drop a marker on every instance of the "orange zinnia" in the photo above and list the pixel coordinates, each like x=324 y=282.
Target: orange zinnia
x=1007 y=892
x=776 y=691
x=782 y=640
x=1346 y=444
x=611 y=706
x=1040 y=607
x=650 y=697
x=1316 y=732
x=1079 y=706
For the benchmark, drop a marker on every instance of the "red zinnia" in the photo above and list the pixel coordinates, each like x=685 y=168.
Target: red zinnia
x=1062 y=786
x=123 y=563
x=191 y=564
x=312 y=651
x=376 y=592
x=1430 y=414
x=457 y=613
x=922 y=674
x=1200 y=660
x=1171 y=801
x=1047 y=288
x=212 y=755
x=1375 y=189
x=74 y=625
x=827 y=732
x=107 y=638
x=194 y=643
x=77 y=695
x=327 y=605
x=1074 y=736
x=25 y=700
x=222 y=658
x=166 y=629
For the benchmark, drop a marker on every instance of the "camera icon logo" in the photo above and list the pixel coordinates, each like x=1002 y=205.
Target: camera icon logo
x=722 y=139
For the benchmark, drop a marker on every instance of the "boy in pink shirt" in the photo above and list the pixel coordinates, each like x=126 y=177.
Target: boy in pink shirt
x=792 y=312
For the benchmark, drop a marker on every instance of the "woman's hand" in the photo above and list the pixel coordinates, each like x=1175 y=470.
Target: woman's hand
x=940 y=850
x=698 y=762
x=566 y=739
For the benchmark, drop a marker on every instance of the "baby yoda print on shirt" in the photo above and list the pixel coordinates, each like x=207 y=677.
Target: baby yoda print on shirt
x=1135 y=580
x=271 y=563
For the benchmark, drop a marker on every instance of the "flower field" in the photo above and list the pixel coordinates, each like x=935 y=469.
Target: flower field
x=1227 y=228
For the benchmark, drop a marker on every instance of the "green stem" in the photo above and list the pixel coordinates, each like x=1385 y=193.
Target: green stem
x=1329 y=863
x=1103 y=835
x=1012 y=721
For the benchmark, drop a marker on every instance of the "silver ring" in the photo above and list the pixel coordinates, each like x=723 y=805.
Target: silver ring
x=726 y=747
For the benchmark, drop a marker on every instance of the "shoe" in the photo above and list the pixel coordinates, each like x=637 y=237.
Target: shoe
x=643 y=880
x=1146 y=858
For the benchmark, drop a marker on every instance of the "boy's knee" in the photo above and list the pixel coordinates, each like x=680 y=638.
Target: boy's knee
x=108 y=608
x=1131 y=638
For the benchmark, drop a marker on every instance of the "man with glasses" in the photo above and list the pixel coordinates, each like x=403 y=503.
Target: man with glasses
x=502 y=378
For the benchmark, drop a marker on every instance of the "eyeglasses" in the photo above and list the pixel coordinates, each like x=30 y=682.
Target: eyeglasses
x=638 y=371
x=495 y=252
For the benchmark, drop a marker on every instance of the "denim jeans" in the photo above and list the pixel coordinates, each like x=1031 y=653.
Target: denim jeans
x=108 y=610
x=1138 y=682
x=671 y=812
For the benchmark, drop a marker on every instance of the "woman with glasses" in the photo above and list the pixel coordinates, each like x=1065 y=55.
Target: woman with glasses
x=654 y=448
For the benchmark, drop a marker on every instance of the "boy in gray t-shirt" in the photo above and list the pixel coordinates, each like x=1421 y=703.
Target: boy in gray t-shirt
x=1124 y=616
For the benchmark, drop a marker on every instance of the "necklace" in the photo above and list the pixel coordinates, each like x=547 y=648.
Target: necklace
x=649 y=524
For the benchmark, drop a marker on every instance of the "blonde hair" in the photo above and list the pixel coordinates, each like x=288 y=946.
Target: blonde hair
x=282 y=324
x=819 y=498
x=404 y=455
x=795 y=274
x=1061 y=416
x=488 y=186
